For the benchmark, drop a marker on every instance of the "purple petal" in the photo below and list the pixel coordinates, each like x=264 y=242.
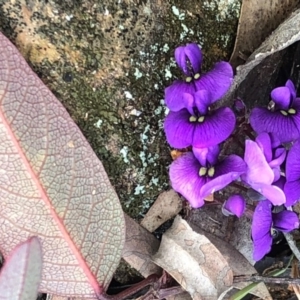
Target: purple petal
x=262 y=219
x=194 y=54
x=290 y=85
x=178 y=129
x=285 y=221
x=280 y=182
x=217 y=81
x=207 y=155
x=258 y=170
x=174 y=94
x=296 y=116
x=215 y=129
x=292 y=169
x=226 y=171
x=271 y=192
x=282 y=97
x=202 y=101
x=274 y=141
x=277 y=173
x=262 y=247
x=188 y=100
x=235 y=205
x=264 y=142
x=239 y=107
x=185 y=179
x=189 y=52
x=283 y=127
x=279 y=157
x=292 y=192
x=260 y=229
x=181 y=59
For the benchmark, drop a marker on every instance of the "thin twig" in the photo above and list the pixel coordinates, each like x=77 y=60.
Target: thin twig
x=265 y=279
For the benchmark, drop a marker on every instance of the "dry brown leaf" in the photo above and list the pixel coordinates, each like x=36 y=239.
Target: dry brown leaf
x=182 y=296
x=195 y=263
x=167 y=206
x=140 y=244
x=257 y=21
x=209 y=198
x=237 y=262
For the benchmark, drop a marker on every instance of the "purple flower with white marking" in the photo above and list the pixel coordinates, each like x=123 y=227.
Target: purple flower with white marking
x=197 y=174
x=234 y=205
x=262 y=223
x=196 y=125
x=292 y=173
x=189 y=59
x=260 y=175
x=283 y=118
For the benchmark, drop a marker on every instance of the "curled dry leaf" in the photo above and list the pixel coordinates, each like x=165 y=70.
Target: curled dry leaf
x=21 y=274
x=195 y=263
x=140 y=244
x=52 y=185
x=167 y=206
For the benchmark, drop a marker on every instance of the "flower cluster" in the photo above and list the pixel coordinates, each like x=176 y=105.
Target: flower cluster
x=267 y=167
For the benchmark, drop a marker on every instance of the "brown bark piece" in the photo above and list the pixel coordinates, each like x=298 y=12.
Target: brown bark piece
x=195 y=263
x=167 y=206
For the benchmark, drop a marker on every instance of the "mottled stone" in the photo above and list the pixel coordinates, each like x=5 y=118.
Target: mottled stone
x=108 y=63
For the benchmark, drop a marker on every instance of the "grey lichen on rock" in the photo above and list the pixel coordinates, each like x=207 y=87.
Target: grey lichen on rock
x=108 y=63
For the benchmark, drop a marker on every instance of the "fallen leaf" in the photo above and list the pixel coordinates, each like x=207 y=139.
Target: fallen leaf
x=195 y=263
x=53 y=186
x=140 y=244
x=237 y=262
x=257 y=21
x=166 y=206
x=21 y=274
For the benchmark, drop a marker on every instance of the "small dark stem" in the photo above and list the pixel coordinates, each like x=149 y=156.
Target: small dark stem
x=239 y=186
x=248 y=213
x=248 y=130
x=132 y=290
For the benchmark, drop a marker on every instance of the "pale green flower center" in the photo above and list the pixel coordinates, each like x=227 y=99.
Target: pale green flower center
x=207 y=171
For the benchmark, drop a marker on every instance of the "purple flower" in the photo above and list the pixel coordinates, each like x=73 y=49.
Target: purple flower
x=283 y=119
x=259 y=174
x=196 y=125
x=234 y=205
x=189 y=59
x=262 y=222
x=197 y=174
x=273 y=151
x=292 y=173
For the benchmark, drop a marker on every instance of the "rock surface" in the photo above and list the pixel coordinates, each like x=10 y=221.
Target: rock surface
x=108 y=62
